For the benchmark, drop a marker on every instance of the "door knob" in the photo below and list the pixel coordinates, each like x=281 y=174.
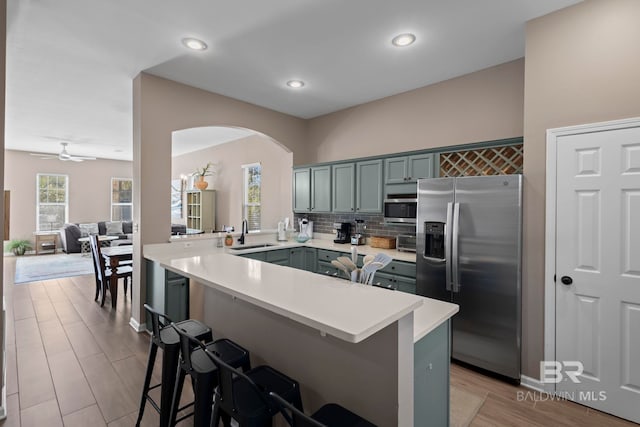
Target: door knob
x=566 y=280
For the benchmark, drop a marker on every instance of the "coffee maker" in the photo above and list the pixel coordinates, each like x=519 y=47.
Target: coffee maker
x=343 y=232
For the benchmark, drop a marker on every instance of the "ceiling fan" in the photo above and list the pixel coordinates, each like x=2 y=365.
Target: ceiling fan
x=64 y=156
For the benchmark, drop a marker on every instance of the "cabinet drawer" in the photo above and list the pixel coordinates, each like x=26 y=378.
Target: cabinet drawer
x=384 y=280
x=327 y=269
x=328 y=256
x=401 y=268
x=399 y=283
x=405 y=284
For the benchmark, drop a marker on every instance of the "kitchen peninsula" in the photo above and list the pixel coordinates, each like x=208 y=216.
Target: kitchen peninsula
x=383 y=354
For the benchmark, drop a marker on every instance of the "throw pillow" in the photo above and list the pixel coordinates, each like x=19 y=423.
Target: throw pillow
x=88 y=229
x=114 y=228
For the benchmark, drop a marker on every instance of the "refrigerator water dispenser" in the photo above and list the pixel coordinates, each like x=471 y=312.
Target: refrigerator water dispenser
x=434 y=240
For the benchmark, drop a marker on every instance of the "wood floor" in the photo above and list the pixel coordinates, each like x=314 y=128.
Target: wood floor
x=72 y=363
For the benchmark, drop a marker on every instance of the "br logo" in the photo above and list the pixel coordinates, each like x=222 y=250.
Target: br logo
x=551 y=371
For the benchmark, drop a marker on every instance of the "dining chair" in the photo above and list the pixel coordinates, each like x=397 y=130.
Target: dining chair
x=103 y=273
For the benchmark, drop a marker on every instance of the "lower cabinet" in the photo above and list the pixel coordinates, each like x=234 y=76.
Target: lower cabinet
x=167 y=292
x=278 y=256
x=260 y=256
x=431 y=360
x=398 y=275
x=310 y=259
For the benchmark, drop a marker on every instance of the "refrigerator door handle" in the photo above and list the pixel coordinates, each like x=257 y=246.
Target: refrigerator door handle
x=447 y=245
x=455 y=271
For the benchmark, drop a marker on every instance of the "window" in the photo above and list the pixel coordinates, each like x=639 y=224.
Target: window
x=53 y=202
x=251 y=204
x=121 y=199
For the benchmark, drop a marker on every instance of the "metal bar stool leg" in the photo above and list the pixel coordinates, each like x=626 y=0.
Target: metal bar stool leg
x=153 y=351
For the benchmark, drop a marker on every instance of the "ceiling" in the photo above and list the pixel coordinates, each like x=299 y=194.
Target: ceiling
x=70 y=63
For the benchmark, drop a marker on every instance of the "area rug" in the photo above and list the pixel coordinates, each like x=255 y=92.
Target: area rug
x=45 y=267
x=464 y=407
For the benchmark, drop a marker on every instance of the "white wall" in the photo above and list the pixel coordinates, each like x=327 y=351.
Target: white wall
x=89 y=188
x=276 y=177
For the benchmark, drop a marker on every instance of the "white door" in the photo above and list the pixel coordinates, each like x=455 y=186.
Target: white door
x=598 y=250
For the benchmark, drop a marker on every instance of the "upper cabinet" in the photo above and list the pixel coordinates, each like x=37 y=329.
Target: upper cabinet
x=357 y=187
x=408 y=169
x=301 y=190
x=369 y=186
x=344 y=195
x=312 y=189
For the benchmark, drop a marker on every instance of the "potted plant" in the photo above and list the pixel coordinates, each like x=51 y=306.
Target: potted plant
x=17 y=246
x=200 y=173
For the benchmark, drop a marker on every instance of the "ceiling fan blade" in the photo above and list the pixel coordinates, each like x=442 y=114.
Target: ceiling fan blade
x=75 y=159
x=44 y=156
x=81 y=158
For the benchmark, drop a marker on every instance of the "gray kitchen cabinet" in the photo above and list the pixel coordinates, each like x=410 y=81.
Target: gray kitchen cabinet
x=167 y=292
x=321 y=189
x=420 y=166
x=398 y=275
x=312 y=189
x=310 y=259
x=301 y=190
x=395 y=170
x=260 y=256
x=369 y=186
x=408 y=169
x=343 y=189
x=431 y=366
x=278 y=256
x=296 y=258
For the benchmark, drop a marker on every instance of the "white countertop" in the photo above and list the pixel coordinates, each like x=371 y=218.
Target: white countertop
x=349 y=311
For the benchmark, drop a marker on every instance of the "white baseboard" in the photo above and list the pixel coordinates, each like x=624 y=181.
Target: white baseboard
x=137 y=326
x=532 y=383
x=3 y=403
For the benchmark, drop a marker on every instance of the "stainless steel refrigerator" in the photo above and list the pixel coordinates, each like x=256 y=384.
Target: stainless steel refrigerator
x=469 y=237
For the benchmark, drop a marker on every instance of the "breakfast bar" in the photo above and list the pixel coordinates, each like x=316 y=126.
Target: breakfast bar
x=344 y=342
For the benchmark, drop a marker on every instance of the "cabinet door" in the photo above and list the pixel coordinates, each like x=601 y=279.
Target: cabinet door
x=344 y=188
x=395 y=170
x=278 y=256
x=296 y=258
x=420 y=166
x=310 y=258
x=321 y=189
x=177 y=298
x=405 y=284
x=369 y=186
x=301 y=190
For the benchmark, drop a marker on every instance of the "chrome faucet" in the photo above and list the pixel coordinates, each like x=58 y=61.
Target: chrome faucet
x=245 y=230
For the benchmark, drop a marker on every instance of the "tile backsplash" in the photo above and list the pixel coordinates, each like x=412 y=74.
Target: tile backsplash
x=323 y=223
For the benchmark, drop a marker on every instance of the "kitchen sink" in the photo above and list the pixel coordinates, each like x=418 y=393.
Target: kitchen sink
x=241 y=248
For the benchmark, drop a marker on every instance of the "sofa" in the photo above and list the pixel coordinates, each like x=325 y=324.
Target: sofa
x=70 y=234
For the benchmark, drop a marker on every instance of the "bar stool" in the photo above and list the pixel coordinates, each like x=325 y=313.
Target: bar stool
x=203 y=372
x=165 y=337
x=243 y=395
x=330 y=415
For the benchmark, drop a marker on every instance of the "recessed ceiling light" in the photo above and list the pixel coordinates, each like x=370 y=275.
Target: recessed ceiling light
x=296 y=84
x=402 y=40
x=194 y=44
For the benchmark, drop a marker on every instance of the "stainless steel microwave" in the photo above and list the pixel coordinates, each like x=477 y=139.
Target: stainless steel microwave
x=401 y=209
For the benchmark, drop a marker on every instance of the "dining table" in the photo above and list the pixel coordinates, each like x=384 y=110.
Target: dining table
x=113 y=256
